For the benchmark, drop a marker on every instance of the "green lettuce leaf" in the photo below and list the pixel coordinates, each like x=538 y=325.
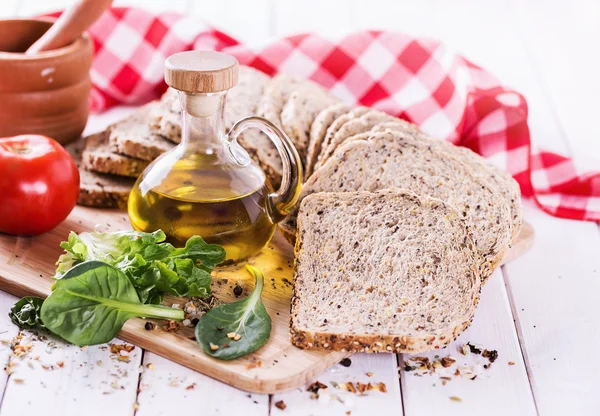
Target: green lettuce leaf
x=155 y=268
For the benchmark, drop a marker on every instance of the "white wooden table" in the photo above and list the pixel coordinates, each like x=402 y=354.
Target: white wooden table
x=539 y=311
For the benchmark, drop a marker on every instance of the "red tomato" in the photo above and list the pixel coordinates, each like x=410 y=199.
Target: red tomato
x=39 y=184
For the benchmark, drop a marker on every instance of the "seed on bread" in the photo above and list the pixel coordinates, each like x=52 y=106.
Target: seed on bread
x=98 y=157
x=384 y=261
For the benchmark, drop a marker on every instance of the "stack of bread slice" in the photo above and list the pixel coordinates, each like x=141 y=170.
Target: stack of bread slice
x=395 y=232
x=112 y=159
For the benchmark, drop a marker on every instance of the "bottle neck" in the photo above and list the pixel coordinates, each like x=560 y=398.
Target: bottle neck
x=203 y=125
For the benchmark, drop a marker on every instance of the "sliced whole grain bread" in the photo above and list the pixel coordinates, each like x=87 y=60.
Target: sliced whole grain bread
x=334 y=128
x=381 y=272
x=352 y=127
x=317 y=133
x=103 y=191
x=165 y=120
x=277 y=94
x=394 y=159
x=98 y=157
x=99 y=190
x=503 y=180
x=133 y=136
x=298 y=114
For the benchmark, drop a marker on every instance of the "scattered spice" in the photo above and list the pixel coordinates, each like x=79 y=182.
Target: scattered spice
x=191 y=386
x=237 y=290
x=61 y=364
x=280 y=405
x=172 y=326
x=475 y=349
x=315 y=387
x=490 y=355
x=346 y=362
x=117 y=348
x=464 y=350
x=447 y=361
x=511 y=363
x=350 y=387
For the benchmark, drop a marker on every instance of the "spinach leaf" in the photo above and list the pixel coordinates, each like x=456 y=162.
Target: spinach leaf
x=154 y=267
x=235 y=329
x=26 y=313
x=92 y=302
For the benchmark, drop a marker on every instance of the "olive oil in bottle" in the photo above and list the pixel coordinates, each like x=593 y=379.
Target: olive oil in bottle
x=223 y=204
x=207 y=185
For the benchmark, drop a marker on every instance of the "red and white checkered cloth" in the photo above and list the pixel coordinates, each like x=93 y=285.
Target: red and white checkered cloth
x=419 y=80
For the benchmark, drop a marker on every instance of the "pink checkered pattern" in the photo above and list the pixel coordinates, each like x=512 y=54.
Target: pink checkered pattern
x=419 y=80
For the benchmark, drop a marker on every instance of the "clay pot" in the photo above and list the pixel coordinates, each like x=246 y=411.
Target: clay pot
x=47 y=93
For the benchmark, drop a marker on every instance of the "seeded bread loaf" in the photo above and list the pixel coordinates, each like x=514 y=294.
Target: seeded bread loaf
x=133 y=136
x=276 y=95
x=98 y=157
x=99 y=190
x=501 y=179
x=381 y=272
x=299 y=112
x=317 y=133
x=334 y=128
x=354 y=126
x=397 y=160
x=103 y=191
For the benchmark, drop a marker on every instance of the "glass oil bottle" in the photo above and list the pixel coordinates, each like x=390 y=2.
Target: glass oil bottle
x=208 y=185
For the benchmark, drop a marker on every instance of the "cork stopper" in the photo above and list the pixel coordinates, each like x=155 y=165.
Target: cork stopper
x=201 y=71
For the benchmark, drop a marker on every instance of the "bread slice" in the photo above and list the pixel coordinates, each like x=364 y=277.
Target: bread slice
x=299 y=112
x=96 y=189
x=276 y=95
x=317 y=133
x=397 y=160
x=502 y=180
x=103 y=191
x=133 y=136
x=381 y=272
x=352 y=127
x=165 y=120
x=333 y=129
x=98 y=157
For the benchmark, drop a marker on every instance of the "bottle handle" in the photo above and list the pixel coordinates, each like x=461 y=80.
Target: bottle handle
x=280 y=202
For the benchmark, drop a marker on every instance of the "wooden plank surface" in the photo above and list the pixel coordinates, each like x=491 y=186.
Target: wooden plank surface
x=58 y=379
x=502 y=389
x=363 y=368
x=167 y=388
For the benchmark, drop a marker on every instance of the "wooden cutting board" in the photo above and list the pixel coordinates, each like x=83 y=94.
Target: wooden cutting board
x=27 y=265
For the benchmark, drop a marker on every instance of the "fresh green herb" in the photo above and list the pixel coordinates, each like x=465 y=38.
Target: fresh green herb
x=91 y=303
x=26 y=313
x=154 y=267
x=235 y=329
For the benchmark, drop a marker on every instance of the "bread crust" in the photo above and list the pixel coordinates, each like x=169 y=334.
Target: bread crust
x=97 y=157
x=374 y=343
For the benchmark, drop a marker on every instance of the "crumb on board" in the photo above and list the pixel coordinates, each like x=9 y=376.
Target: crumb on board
x=455 y=399
x=280 y=405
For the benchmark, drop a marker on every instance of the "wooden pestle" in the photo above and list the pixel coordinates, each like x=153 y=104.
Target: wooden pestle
x=70 y=25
